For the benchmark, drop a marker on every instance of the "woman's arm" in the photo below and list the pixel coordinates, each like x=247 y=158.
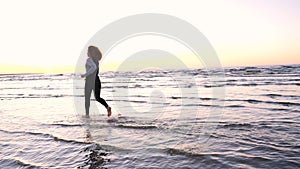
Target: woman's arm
x=92 y=67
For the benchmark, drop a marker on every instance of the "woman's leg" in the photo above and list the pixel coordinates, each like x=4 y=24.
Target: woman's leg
x=97 y=90
x=97 y=93
x=87 y=95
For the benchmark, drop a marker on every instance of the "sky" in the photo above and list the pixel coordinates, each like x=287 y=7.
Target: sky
x=49 y=36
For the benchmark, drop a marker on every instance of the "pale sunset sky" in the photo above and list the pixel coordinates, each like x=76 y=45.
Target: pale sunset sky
x=49 y=36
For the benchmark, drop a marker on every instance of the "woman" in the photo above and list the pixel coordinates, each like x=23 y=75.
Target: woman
x=92 y=81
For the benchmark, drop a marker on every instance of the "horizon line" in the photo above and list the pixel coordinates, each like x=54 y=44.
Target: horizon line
x=72 y=72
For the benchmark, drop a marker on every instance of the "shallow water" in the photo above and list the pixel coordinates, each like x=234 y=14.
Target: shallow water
x=158 y=122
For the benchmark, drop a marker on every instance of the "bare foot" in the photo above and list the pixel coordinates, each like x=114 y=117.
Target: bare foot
x=108 y=111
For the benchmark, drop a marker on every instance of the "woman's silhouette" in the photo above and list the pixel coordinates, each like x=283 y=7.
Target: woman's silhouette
x=92 y=81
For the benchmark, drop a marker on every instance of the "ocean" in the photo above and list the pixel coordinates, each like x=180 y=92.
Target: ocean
x=161 y=119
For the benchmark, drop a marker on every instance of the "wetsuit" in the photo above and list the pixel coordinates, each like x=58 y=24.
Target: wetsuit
x=92 y=82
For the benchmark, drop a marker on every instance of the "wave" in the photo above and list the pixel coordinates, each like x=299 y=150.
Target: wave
x=259 y=144
x=257 y=83
x=93 y=156
x=278 y=109
x=203 y=105
x=213 y=86
x=272 y=95
x=255 y=101
x=257 y=123
x=22 y=96
x=201 y=98
x=65 y=125
x=124 y=122
x=235 y=106
x=33 y=77
x=174 y=151
x=45 y=135
x=137 y=126
x=16 y=163
x=254 y=157
x=283 y=103
x=233 y=125
x=123 y=100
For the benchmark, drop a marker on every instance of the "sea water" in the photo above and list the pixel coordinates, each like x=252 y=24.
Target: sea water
x=157 y=121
